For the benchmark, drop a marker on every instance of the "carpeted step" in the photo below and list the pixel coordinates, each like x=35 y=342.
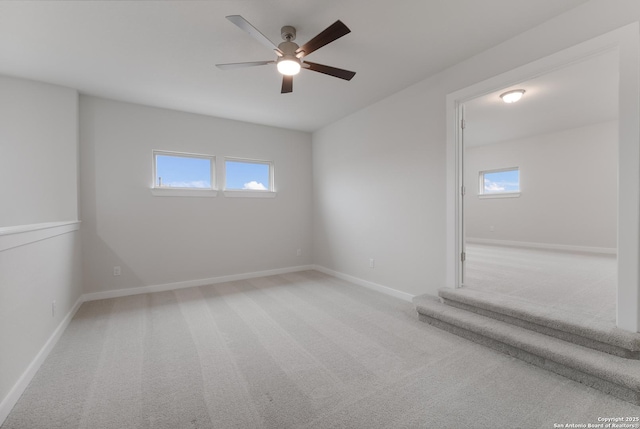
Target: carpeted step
x=593 y=333
x=614 y=375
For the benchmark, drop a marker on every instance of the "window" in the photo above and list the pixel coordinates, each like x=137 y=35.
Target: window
x=499 y=183
x=245 y=177
x=183 y=174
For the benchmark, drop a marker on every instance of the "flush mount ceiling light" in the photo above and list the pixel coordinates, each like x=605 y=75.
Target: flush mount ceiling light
x=512 y=96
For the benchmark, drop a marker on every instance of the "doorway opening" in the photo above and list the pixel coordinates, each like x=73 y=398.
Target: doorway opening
x=541 y=189
x=626 y=43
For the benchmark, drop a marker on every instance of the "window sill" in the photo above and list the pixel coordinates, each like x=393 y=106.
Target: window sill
x=167 y=192
x=502 y=195
x=249 y=194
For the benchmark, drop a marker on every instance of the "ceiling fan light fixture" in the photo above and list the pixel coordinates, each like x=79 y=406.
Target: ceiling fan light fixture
x=512 y=96
x=290 y=54
x=289 y=66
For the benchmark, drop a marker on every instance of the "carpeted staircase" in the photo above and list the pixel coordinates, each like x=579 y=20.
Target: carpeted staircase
x=592 y=352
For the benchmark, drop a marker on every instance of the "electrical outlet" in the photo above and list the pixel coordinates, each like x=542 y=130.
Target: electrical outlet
x=117 y=271
x=53 y=308
x=299 y=252
x=372 y=263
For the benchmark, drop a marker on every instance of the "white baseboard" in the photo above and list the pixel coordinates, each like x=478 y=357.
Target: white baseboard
x=544 y=246
x=190 y=283
x=365 y=283
x=18 y=389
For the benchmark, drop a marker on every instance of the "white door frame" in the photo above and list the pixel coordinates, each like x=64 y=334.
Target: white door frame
x=626 y=41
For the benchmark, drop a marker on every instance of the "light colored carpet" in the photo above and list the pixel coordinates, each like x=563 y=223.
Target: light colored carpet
x=301 y=350
x=580 y=283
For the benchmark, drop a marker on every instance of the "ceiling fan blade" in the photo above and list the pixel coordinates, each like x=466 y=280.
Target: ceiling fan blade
x=253 y=32
x=287 y=84
x=331 y=71
x=231 y=66
x=328 y=35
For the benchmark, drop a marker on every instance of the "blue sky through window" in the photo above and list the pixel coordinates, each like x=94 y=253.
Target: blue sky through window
x=501 y=181
x=247 y=175
x=183 y=172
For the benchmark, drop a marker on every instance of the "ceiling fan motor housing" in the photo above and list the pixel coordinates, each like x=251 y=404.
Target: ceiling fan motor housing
x=288 y=48
x=288 y=63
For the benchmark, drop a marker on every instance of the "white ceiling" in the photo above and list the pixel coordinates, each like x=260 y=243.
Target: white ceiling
x=163 y=53
x=580 y=94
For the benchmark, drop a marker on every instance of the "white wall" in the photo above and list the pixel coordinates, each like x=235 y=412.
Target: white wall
x=38 y=147
x=379 y=174
x=162 y=240
x=569 y=189
x=38 y=170
x=379 y=193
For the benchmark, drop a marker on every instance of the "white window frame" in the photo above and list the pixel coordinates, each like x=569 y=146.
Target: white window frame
x=251 y=193
x=162 y=191
x=483 y=195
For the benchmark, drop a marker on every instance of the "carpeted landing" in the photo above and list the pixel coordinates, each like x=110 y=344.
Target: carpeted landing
x=591 y=351
x=299 y=350
x=579 y=283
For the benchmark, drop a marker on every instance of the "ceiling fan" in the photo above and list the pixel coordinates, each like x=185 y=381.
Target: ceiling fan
x=291 y=56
